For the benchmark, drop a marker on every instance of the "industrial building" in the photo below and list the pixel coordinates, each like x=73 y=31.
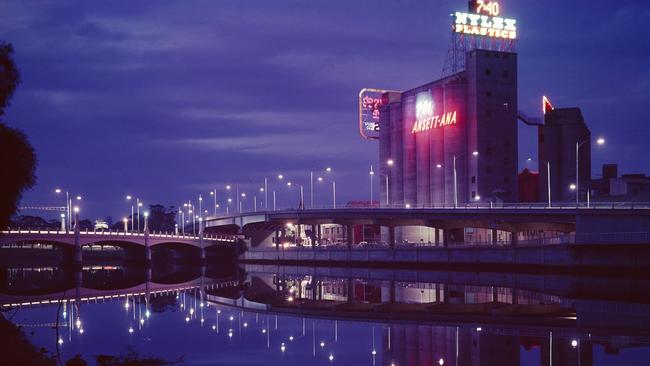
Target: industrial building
x=454 y=140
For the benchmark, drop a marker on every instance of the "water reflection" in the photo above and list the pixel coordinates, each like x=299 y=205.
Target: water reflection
x=300 y=316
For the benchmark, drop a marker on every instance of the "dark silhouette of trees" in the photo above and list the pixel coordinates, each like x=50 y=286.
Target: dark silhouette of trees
x=161 y=218
x=17 y=156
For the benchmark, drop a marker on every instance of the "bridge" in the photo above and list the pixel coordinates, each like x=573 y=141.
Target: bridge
x=98 y=237
x=520 y=237
x=584 y=223
x=77 y=239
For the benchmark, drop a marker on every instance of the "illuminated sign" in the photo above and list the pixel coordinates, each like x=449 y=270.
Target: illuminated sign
x=546 y=104
x=425 y=117
x=370 y=103
x=485 y=21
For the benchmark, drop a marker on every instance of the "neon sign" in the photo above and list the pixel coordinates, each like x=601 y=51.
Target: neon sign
x=485 y=21
x=370 y=103
x=426 y=119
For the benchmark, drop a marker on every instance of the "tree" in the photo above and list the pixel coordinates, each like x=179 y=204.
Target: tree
x=17 y=156
x=9 y=75
x=161 y=218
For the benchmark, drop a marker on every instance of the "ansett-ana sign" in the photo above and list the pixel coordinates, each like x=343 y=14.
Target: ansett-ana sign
x=425 y=117
x=485 y=21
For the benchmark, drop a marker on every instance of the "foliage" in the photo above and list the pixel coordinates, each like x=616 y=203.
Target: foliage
x=132 y=358
x=17 y=156
x=9 y=75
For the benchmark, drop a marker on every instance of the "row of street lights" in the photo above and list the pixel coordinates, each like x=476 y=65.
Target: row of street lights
x=241 y=196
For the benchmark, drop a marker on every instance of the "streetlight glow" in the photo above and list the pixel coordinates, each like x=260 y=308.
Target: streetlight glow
x=57 y=191
x=572 y=187
x=600 y=141
x=390 y=162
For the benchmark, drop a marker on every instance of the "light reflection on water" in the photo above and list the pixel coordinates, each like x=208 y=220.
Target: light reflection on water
x=266 y=319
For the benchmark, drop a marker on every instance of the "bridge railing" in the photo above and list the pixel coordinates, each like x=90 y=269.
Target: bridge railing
x=208 y=237
x=467 y=206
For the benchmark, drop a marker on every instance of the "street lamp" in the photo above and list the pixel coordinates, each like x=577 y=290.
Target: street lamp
x=126 y=224
x=138 y=205
x=146 y=221
x=599 y=141
x=76 y=215
x=301 y=204
x=255 y=198
x=228 y=206
x=67 y=205
x=200 y=201
x=389 y=164
x=320 y=179
x=475 y=154
x=372 y=173
x=243 y=195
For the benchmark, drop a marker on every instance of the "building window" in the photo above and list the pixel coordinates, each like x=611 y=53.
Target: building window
x=506 y=106
x=473 y=179
x=473 y=194
x=488 y=72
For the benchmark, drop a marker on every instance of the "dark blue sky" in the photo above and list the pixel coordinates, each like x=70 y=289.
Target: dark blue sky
x=166 y=100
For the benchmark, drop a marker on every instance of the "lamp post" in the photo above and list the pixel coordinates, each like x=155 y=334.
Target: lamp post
x=389 y=164
x=129 y=198
x=126 y=224
x=76 y=215
x=200 y=209
x=263 y=190
x=372 y=173
x=474 y=153
x=321 y=179
x=274 y=200
x=213 y=193
x=243 y=195
x=229 y=201
x=280 y=177
x=328 y=170
x=138 y=205
x=183 y=219
x=266 y=196
x=62 y=222
x=301 y=205
x=311 y=189
x=67 y=207
x=599 y=141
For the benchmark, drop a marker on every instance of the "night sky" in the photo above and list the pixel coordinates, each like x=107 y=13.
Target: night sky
x=167 y=100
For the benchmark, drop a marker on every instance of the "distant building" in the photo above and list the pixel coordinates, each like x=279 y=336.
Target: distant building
x=562 y=131
x=601 y=187
x=528 y=186
x=632 y=186
x=626 y=188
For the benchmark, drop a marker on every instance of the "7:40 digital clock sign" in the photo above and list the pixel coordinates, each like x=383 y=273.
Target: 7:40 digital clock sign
x=484 y=19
